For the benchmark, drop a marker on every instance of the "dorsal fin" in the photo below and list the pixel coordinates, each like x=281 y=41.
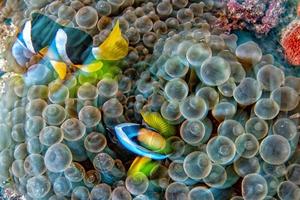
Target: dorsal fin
x=115 y=47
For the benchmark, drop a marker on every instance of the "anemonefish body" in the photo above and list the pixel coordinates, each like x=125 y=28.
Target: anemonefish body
x=66 y=46
x=142 y=141
x=149 y=140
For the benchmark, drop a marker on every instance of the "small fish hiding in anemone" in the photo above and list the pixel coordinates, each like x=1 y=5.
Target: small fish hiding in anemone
x=64 y=46
x=142 y=141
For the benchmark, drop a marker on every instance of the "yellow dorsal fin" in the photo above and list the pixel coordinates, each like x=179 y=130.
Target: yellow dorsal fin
x=115 y=47
x=156 y=121
x=116 y=32
x=92 y=67
x=60 y=68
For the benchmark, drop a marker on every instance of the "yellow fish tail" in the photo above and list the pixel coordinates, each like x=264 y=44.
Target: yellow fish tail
x=156 y=121
x=115 y=47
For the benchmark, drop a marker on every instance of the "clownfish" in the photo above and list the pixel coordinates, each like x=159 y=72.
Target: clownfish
x=143 y=141
x=148 y=141
x=66 y=47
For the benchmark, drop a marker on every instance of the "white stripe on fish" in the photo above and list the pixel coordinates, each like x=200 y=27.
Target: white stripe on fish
x=27 y=37
x=61 y=43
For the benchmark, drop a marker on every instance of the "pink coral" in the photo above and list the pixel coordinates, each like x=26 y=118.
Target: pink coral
x=261 y=15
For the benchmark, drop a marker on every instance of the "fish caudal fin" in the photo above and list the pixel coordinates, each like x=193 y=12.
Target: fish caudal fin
x=60 y=68
x=115 y=47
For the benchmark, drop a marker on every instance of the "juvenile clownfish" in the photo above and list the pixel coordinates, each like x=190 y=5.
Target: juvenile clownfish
x=141 y=141
x=65 y=46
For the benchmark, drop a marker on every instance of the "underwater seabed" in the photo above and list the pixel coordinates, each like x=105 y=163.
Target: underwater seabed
x=153 y=101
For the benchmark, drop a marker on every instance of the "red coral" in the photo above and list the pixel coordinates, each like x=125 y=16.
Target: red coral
x=290 y=42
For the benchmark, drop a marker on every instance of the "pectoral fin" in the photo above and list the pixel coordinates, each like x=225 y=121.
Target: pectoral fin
x=60 y=68
x=115 y=47
x=144 y=165
x=92 y=67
